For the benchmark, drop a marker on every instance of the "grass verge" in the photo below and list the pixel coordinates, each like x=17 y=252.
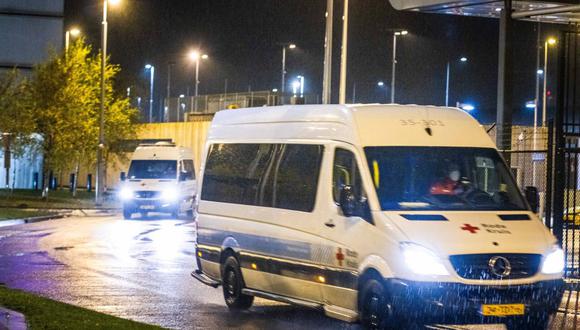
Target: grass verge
x=43 y=313
x=58 y=199
x=9 y=213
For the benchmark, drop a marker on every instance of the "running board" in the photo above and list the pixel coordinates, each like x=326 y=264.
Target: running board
x=340 y=313
x=272 y=296
x=198 y=275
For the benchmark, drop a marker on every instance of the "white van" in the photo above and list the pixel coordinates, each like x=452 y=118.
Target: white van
x=161 y=178
x=380 y=213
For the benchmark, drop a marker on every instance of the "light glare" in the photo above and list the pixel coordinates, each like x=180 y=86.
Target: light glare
x=422 y=261
x=554 y=262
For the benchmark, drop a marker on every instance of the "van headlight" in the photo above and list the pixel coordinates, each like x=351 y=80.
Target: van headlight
x=421 y=260
x=126 y=193
x=554 y=262
x=169 y=194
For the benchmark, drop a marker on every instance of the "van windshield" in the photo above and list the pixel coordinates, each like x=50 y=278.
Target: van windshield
x=442 y=178
x=153 y=169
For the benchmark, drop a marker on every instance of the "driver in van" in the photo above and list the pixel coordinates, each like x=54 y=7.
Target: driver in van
x=450 y=184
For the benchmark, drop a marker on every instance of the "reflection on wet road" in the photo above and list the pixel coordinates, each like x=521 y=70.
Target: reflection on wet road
x=136 y=269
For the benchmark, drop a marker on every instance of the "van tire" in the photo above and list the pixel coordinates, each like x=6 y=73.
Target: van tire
x=233 y=283
x=532 y=322
x=127 y=213
x=374 y=308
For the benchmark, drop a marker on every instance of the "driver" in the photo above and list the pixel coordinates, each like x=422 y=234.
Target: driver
x=450 y=184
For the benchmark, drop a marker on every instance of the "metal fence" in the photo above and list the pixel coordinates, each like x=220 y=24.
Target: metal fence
x=182 y=108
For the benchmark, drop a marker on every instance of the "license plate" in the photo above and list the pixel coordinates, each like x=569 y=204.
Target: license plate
x=503 y=310
x=147 y=207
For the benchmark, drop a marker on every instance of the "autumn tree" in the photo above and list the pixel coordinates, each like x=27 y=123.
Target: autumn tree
x=66 y=107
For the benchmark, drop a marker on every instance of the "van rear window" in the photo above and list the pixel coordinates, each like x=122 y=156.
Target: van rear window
x=272 y=175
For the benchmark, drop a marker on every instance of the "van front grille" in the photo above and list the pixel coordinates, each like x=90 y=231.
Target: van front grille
x=494 y=266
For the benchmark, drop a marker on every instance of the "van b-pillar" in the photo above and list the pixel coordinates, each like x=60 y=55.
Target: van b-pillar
x=505 y=80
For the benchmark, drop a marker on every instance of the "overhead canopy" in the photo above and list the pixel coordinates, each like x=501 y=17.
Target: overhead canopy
x=560 y=11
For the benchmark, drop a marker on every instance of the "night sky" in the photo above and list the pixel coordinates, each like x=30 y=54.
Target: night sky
x=242 y=38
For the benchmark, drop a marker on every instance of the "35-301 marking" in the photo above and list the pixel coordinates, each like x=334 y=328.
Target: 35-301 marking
x=423 y=122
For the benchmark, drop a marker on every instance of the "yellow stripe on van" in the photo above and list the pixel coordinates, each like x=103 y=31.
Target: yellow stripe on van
x=376 y=176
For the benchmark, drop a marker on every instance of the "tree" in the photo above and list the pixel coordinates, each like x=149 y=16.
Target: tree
x=66 y=109
x=16 y=121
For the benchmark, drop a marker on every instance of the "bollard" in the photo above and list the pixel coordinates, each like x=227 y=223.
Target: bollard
x=89 y=182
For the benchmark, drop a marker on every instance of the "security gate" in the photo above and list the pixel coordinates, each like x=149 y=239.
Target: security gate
x=562 y=210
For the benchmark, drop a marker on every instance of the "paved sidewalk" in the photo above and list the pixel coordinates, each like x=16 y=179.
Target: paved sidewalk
x=11 y=320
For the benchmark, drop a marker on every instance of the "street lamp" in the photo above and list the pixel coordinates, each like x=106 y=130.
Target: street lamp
x=100 y=161
x=550 y=42
x=151 y=69
x=195 y=56
x=448 y=78
x=295 y=85
x=74 y=32
x=394 y=68
x=289 y=46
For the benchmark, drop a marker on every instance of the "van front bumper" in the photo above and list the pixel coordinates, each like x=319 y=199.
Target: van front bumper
x=461 y=303
x=150 y=205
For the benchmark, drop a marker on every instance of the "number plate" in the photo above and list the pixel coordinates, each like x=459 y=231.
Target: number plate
x=503 y=310
x=147 y=207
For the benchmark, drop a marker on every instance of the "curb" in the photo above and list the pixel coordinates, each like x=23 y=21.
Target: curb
x=11 y=320
x=15 y=222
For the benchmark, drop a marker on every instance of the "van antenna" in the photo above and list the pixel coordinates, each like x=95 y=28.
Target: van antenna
x=427 y=123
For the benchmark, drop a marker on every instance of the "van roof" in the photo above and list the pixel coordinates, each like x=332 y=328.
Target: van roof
x=365 y=124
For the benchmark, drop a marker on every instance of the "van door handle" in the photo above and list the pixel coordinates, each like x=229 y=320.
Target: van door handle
x=330 y=224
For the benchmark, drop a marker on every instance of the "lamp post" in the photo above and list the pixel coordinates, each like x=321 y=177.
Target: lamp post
x=100 y=184
x=195 y=56
x=394 y=64
x=549 y=42
x=343 y=56
x=151 y=69
x=73 y=32
x=289 y=46
x=448 y=78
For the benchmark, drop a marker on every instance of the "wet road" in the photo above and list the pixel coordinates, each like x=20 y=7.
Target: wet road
x=137 y=269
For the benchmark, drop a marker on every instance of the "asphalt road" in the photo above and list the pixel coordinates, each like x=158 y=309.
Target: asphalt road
x=137 y=269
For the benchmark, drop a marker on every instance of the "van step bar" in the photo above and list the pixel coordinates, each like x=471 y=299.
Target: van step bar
x=287 y=300
x=198 y=275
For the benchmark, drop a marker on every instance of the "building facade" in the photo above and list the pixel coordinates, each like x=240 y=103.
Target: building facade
x=29 y=29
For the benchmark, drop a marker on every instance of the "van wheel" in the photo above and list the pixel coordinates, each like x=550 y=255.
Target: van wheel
x=127 y=213
x=539 y=321
x=374 y=307
x=233 y=284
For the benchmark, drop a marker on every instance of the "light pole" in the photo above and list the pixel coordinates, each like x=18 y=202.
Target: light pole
x=327 y=75
x=394 y=64
x=195 y=56
x=73 y=32
x=100 y=184
x=448 y=78
x=151 y=69
x=343 y=56
x=549 y=42
x=289 y=46
x=301 y=79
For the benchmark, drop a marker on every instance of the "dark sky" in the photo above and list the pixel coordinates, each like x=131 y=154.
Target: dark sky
x=242 y=39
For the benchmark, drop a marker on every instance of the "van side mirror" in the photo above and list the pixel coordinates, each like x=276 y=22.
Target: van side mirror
x=123 y=176
x=183 y=176
x=347 y=201
x=533 y=197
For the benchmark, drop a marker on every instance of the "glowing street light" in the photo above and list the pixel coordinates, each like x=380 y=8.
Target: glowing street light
x=100 y=161
x=73 y=32
x=284 y=46
x=381 y=84
x=195 y=56
x=151 y=69
x=394 y=64
x=549 y=42
x=463 y=59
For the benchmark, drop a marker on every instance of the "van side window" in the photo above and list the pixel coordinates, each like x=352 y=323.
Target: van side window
x=272 y=175
x=296 y=178
x=346 y=173
x=188 y=170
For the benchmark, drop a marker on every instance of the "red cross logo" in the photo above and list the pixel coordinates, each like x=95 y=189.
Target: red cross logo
x=339 y=256
x=470 y=228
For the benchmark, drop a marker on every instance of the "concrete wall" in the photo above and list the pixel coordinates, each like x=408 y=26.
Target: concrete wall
x=28 y=29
